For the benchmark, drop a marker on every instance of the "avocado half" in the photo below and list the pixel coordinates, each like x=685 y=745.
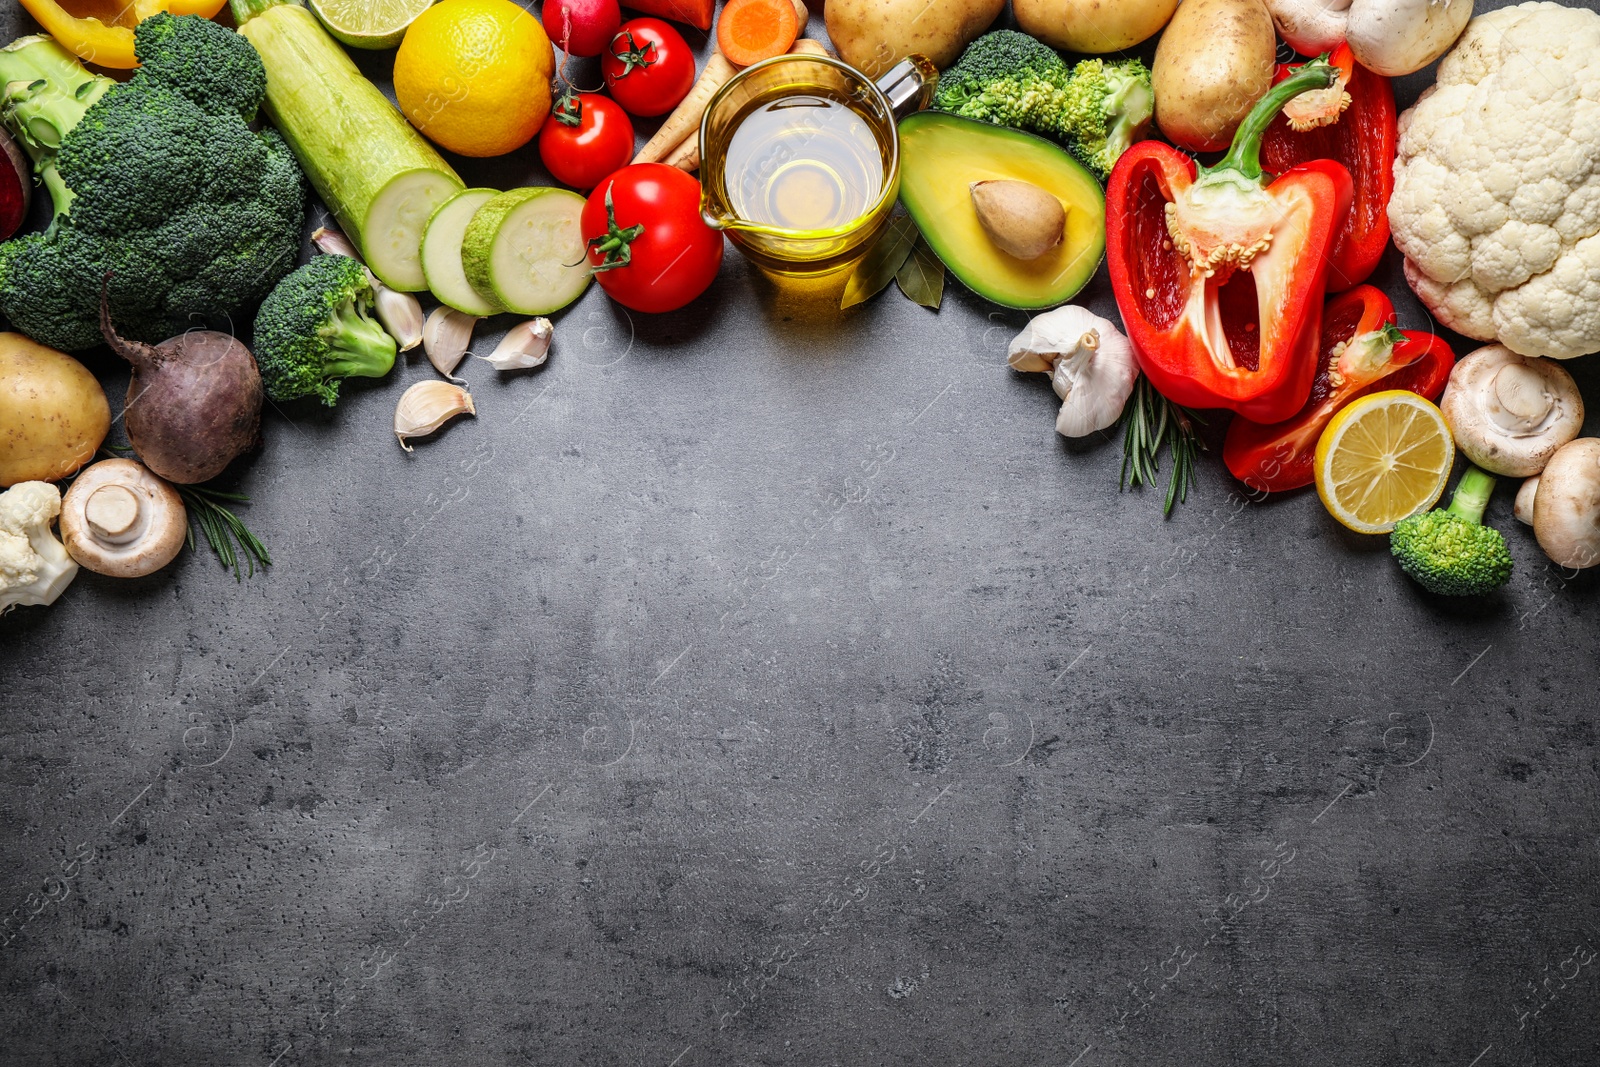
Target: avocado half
x=942 y=155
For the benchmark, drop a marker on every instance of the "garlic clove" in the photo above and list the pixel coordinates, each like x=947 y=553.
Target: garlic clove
x=525 y=345
x=445 y=337
x=426 y=406
x=334 y=243
x=401 y=315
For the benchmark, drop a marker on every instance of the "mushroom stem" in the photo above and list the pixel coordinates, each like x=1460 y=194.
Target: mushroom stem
x=112 y=512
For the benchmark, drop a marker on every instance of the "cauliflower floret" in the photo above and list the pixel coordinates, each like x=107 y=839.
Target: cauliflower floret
x=1496 y=204
x=34 y=566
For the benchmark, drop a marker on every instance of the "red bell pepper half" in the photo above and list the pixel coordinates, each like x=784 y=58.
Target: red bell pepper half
x=1219 y=274
x=1354 y=124
x=1362 y=351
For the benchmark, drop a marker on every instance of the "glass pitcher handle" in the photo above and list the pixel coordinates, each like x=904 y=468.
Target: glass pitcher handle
x=909 y=84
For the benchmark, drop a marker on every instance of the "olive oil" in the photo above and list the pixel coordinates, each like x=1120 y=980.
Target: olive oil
x=803 y=162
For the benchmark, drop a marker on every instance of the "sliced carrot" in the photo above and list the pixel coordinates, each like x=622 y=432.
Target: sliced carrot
x=749 y=31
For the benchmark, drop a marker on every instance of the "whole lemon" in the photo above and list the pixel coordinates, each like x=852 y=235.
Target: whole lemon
x=474 y=76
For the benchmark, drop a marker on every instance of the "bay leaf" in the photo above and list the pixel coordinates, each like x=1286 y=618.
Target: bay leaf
x=921 y=276
x=879 y=266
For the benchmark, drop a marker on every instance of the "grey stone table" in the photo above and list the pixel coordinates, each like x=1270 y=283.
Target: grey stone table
x=744 y=688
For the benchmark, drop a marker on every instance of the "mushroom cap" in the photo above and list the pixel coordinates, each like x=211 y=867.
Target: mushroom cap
x=1510 y=413
x=120 y=520
x=1527 y=493
x=1566 y=509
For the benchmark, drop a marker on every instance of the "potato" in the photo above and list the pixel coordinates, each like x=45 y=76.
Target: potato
x=1092 y=26
x=1215 y=60
x=874 y=35
x=53 y=414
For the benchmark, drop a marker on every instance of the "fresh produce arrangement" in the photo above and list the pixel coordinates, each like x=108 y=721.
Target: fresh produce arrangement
x=922 y=144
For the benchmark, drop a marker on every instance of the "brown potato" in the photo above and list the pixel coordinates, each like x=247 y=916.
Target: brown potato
x=1215 y=60
x=53 y=414
x=874 y=35
x=1092 y=26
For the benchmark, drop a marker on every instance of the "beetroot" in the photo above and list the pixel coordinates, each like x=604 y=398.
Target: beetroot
x=590 y=23
x=194 y=403
x=16 y=186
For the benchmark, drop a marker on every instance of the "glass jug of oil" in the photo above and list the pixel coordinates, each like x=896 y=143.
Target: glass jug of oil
x=800 y=163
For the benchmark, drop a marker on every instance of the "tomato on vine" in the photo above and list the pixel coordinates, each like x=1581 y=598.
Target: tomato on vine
x=648 y=67
x=650 y=249
x=586 y=137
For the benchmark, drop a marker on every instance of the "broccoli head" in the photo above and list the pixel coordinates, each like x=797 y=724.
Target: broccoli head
x=1010 y=79
x=1448 y=550
x=315 y=329
x=159 y=182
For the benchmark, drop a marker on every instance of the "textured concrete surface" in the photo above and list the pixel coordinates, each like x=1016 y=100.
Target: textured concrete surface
x=748 y=689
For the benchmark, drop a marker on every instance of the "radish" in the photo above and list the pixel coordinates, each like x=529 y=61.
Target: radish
x=581 y=28
x=16 y=186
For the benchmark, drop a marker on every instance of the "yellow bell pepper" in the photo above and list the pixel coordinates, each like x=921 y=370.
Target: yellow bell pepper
x=101 y=31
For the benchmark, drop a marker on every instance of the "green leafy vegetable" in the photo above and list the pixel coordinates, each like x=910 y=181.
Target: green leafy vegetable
x=315 y=329
x=921 y=276
x=1448 y=550
x=882 y=261
x=1151 y=422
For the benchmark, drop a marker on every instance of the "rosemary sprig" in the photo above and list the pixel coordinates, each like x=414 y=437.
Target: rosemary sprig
x=224 y=531
x=1151 y=422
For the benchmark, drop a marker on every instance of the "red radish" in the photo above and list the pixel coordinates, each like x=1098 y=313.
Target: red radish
x=16 y=186
x=581 y=28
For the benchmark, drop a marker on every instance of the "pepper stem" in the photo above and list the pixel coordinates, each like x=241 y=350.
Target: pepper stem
x=1244 y=155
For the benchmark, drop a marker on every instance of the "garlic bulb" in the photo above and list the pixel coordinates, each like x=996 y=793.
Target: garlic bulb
x=400 y=313
x=445 y=337
x=526 y=344
x=426 y=406
x=1090 y=363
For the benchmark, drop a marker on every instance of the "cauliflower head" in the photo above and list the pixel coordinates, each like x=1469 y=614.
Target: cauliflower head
x=1496 y=202
x=34 y=566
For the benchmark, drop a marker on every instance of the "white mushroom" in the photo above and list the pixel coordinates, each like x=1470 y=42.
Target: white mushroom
x=1510 y=413
x=1388 y=37
x=1090 y=363
x=1566 y=510
x=1526 y=494
x=120 y=520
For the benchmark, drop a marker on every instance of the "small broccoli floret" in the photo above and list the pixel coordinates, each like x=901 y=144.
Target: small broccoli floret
x=1010 y=79
x=997 y=61
x=1107 y=106
x=220 y=73
x=1448 y=550
x=158 y=181
x=314 y=329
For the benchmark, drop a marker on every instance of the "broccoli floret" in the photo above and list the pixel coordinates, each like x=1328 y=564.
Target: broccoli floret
x=220 y=73
x=314 y=329
x=159 y=182
x=1010 y=79
x=1108 y=105
x=1448 y=550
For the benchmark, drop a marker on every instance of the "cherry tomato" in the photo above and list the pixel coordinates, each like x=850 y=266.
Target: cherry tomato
x=649 y=247
x=586 y=137
x=648 y=67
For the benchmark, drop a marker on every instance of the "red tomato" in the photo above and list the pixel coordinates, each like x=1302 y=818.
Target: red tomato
x=648 y=245
x=586 y=137
x=648 y=67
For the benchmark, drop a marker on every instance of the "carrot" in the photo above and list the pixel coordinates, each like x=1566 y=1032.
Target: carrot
x=685 y=118
x=752 y=30
x=696 y=13
x=807 y=47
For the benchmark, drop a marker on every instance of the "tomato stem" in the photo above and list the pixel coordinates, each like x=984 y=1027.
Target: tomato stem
x=634 y=57
x=615 y=245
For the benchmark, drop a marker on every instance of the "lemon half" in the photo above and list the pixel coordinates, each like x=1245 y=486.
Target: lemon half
x=1382 y=458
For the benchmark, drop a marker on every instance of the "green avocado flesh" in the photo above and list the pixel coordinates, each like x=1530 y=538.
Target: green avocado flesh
x=942 y=155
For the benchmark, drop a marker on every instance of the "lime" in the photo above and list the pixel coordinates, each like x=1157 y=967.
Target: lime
x=369 y=23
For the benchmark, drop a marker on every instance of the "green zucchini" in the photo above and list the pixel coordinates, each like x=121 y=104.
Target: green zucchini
x=378 y=176
x=441 y=254
x=525 y=247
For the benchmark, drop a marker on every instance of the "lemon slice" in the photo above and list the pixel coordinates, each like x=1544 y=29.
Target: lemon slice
x=369 y=23
x=1382 y=458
